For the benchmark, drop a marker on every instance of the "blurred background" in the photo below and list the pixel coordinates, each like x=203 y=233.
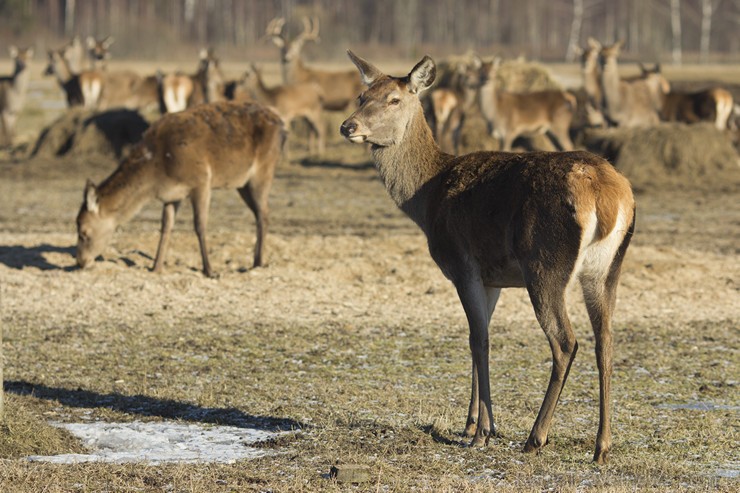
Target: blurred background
x=676 y=31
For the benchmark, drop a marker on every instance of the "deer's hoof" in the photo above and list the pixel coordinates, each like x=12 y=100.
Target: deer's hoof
x=534 y=445
x=601 y=457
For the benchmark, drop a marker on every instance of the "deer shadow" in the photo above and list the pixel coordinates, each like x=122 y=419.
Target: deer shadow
x=323 y=163
x=143 y=405
x=18 y=256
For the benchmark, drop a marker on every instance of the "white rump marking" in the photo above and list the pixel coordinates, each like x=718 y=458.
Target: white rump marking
x=596 y=255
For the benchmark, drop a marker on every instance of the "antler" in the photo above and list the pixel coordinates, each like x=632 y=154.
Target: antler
x=274 y=31
x=310 y=29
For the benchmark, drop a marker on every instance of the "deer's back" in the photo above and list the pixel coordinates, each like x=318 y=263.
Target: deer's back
x=501 y=207
x=219 y=142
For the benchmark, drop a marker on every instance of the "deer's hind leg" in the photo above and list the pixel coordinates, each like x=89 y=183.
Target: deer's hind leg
x=201 y=200
x=169 y=211
x=255 y=195
x=547 y=293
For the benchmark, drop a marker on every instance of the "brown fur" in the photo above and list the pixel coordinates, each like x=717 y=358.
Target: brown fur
x=694 y=107
x=187 y=154
x=13 y=92
x=499 y=219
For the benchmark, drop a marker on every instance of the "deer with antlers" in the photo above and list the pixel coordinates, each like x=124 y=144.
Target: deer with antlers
x=13 y=90
x=495 y=220
x=187 y=155
x=339 y=88
x=290 y=101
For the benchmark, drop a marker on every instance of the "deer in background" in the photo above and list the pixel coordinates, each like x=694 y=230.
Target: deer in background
x=709 y=105
x=290 y=101
x=98 y=52
x=591 y=72
x=495 y=220
x=181 y=91
x=13 y=90
x=510 y=115
x=59 y=66
x=630 y=102
x=340 y=88
x=187 y=155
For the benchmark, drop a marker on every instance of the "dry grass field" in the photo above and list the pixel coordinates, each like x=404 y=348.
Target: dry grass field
x=351 y=337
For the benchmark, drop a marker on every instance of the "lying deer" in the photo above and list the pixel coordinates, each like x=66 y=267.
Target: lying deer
x=495 y=220
x=290 y=101
x=340 y=88
x=634 y=102
x=186 y=155
x=13 y=92
x=510 y=115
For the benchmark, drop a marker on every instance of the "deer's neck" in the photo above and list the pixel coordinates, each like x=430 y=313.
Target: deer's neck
x=489 y=99
x=591 y=80
x=126 y=191
x=63 y=72
x=261 y=91
x=409 y=168
x=611 y=81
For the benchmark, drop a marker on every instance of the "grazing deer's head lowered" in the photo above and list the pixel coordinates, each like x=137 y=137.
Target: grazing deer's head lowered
x=495 y=220
x=187 y=155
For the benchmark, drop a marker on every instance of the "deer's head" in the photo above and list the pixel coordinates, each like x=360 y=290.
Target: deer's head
x=388 y=105
x=94 y=230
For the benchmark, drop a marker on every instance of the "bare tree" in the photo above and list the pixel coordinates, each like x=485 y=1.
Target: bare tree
x=676 y=31
x=575 y=30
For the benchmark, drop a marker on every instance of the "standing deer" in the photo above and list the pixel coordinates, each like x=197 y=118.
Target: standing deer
x=630 y=103
x=510 y=115
x=290 y=101
x=98 y=52
x=340 y=88
x=709 y=105
x=591 y=72
x=13 y=92
x=186 y=155
x=495 y=220
x=181 y=91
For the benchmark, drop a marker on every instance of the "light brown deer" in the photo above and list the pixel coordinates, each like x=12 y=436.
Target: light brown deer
x=634 y=102
x=709 y=105
x=290 y=101
x=181 y=91
x=13 y=90
x=98 y=52
x=495 y=220
x=74 y=53
x=510 y=115
x=340 y=87
x=186 y=155
x=591 y=72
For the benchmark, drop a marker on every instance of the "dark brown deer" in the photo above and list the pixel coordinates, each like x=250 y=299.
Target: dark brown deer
x=186 y=155
x=13 y=90
x=340 y=87
x=713 y=105
x=495 y=220
x=511 y=114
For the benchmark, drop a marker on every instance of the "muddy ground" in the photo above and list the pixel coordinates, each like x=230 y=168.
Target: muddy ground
x=351 y=334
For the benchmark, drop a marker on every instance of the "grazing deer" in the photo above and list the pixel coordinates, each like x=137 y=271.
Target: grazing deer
x=186 y=155
x=510 y=115
x=98 y=51
x=340 y=88
x=495 y=220
x=710 y=105
x=290 y=101
x=13 y=92
x=630 y=103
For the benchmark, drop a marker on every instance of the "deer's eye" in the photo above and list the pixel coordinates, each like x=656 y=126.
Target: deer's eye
x=394 y=101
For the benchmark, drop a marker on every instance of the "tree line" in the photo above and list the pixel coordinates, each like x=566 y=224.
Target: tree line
x=667 y=30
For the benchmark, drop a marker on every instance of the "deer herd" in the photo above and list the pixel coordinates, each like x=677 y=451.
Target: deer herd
x=492 y=220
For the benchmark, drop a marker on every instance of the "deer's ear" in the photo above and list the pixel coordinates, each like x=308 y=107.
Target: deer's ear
x=91 y=197
x=90 y=42
x=422 y=75
x=13 y=51
x=594 y=44
x=368 y=72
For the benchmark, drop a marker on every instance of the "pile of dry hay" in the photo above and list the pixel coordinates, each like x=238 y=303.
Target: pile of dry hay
x=81 y=132
x=669 y=155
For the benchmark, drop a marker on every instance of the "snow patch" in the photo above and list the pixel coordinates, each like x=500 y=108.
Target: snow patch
x=160 y=442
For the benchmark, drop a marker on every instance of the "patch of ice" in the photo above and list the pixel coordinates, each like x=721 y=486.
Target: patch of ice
x=159 y=442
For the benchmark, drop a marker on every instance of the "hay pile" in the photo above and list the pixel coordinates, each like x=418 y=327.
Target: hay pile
x=81 y=132
x=669 y=155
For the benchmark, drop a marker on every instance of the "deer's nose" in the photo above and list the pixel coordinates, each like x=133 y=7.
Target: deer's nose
x=348 y=128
